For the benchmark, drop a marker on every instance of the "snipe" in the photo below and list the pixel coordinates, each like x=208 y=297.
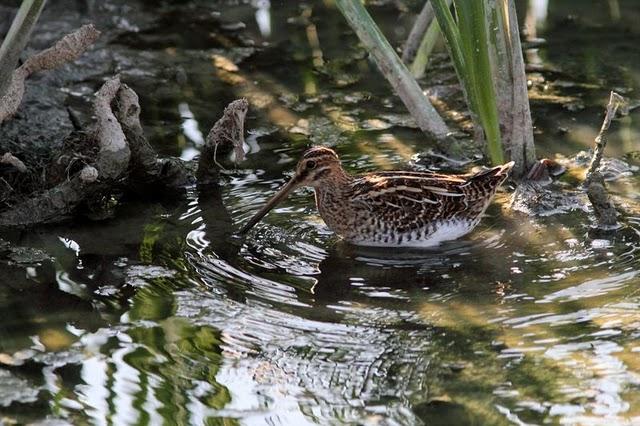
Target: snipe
x=411 y=209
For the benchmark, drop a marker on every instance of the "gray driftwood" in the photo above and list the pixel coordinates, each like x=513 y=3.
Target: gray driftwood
x=68 y=49
x=603 y=208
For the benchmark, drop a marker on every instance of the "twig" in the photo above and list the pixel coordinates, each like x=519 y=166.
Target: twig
x=114 y=154
x=68 y=49
x=615 y=101
x=603 y=208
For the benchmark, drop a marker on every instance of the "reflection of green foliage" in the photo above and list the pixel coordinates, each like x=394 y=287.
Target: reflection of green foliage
x=153 y=302
x=180 y=355
x=168 y=240
x=152 y=232
x=470 y=393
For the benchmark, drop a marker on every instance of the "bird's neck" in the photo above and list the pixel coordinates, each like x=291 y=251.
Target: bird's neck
x=334 y=192
x=338 y=183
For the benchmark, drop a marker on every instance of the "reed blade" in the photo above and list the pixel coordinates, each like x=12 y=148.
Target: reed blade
x=16 y=39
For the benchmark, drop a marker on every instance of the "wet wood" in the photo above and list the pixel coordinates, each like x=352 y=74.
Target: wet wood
x=510 y=81
x=603 y=208
x=68 y=49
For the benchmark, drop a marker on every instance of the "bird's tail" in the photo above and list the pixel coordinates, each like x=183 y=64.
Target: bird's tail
x=501 y=171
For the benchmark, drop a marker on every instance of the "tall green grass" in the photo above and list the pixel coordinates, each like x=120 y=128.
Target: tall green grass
x=419 y=64
x=17 y=39
x=468 y=40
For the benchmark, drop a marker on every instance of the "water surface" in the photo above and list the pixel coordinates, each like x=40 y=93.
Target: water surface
x=163 y=315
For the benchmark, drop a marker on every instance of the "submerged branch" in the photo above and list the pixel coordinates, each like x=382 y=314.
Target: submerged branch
x=68 y=49
x=603 y=208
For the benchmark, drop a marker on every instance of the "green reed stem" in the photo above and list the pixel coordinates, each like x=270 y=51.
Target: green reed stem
x=17 y=39
x=468 y=40
x=388 y=62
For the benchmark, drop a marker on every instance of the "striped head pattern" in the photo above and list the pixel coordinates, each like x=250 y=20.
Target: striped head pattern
x=316 y=165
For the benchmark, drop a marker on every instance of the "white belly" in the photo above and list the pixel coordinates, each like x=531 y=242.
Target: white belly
x=443 y=231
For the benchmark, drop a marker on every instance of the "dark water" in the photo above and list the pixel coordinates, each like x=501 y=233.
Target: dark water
x=162 y=315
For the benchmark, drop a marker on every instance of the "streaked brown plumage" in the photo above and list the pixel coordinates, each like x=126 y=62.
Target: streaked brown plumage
x=399 y=208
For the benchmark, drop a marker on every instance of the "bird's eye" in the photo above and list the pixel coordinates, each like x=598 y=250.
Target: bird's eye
x=311 y=164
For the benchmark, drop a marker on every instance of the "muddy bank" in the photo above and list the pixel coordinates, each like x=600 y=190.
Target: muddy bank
x=84 y=163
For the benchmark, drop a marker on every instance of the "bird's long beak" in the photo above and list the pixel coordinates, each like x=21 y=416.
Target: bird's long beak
x=280 y=195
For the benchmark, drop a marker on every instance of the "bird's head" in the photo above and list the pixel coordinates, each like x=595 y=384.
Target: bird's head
x=316 y=168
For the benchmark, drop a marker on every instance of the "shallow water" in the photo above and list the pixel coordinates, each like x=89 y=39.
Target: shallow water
x=163 y=315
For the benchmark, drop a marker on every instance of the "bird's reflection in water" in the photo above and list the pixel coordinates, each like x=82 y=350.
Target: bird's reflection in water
x=356 y=273
x=217 y=223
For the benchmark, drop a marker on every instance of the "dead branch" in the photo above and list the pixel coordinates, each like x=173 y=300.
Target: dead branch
x=144 y=165
x=146 y=170
x=114 y=154
x=603 y=208
x=227 y=132
x=50 y=206
x=59 y=202
x=615 y=101
x=68 y=49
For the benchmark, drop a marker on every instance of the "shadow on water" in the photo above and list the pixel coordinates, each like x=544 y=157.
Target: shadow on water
x=162 y=314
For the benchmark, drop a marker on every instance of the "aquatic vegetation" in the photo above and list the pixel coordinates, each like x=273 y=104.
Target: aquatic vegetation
x=468 y=41
x=393 y=69
x=483 y=43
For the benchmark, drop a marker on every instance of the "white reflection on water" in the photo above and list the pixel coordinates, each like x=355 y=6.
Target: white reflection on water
x=94 y=393
x=591 y=288
x=263 y=16
x=249 y=390
x=191 y=130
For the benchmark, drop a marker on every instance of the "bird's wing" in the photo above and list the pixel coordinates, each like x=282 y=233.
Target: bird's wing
x=409 y=193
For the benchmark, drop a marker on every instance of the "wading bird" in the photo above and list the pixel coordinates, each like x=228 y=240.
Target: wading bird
x=391 y=209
